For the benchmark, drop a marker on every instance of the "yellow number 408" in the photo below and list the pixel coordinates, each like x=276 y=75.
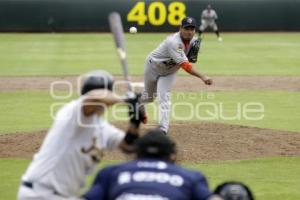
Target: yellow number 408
x=176 y=12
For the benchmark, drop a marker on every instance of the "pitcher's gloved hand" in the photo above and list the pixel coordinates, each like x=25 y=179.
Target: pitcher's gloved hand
x=194 y=50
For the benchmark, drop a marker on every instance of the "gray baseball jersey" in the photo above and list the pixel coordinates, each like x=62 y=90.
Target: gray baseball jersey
x=208 y=20
x=209 y=16
x=168 y=56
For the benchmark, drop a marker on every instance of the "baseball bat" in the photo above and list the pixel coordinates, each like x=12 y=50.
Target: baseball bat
x=116 y=28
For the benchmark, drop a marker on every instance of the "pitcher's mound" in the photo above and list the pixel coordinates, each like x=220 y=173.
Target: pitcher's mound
x=196 y=142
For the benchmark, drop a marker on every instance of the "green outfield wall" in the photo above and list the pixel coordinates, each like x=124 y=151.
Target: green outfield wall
x=154 y=16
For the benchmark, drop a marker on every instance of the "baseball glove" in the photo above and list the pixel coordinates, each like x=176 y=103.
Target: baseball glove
x=194 y=50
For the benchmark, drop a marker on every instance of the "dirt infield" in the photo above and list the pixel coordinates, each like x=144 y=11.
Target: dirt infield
x=183 y=83
x=197 y=142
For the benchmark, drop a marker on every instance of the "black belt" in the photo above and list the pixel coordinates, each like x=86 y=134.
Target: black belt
x=30 y=185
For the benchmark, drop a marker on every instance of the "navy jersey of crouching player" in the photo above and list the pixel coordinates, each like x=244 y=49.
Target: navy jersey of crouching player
x=153 y=175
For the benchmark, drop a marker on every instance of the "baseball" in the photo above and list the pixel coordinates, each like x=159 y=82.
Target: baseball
x=133 y=30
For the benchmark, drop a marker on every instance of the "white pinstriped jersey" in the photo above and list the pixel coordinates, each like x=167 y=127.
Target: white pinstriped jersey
x=167 y=57
x=71 y=150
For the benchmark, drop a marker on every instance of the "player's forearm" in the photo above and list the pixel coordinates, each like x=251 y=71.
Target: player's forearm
x=188 y=67
x=103 y=96
x=197 y=74
x=97 y=101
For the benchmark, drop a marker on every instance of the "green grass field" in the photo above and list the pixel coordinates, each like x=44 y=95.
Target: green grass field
x=253 y=54
x=72 y=54
x=37 y=105
x=271 y=178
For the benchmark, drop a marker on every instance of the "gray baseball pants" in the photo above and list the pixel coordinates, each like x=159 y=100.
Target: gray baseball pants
x=158 y=86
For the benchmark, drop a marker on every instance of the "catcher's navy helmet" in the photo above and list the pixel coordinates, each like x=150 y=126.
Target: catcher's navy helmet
x=155 y=144
x=97 y=80
x=234 y=191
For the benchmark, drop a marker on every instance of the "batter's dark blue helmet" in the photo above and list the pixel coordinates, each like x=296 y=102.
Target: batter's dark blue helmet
x=97 y=80
x=234 y=191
